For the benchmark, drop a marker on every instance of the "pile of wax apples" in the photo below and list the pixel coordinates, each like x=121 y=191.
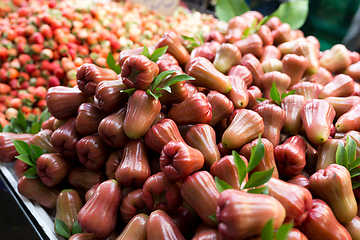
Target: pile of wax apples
x=43 y=42
x=170 y=148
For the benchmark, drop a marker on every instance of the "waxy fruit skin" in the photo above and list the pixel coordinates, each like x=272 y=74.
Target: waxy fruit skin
x=290 y=156
x=68 y=206
x=203 y=51
x=272 y=64
x=182 y=113
x=125 y=54
x=159 y=192
x=268 y=160
x=161 y=133
x=135 y=228
x=246 y=125
x=88 y=76
x=111 y=129
x=291 y=105
x=353 y=227
x=134 y=167
x=266 y=36
x=333 y=185
x=57 y=99
x=309 y=51
x=309 y=90
x=282 y=34
x=138 y=72
x=340 y=86
x=254 y=65
x=335 y=59
x=294 y=66
x=112 y=163
x=238 y=93
x=178 y=160
x=84 y=178
x=221 y=106
x=175 y=48
x=42 y=139
x=281 y=80
x=99 y=214
x=350 y=120
x=205 y=232
x=214 y=36
x=235 y=29
x=203 y=138
x=199 y=191
x=88 y=118
x=8 y=151
x=141 y=112
x=295 y=199
x=109 y=96
x=64 y=138
x=52 y=168
x=185 y=220
x=34 y=189
x=161 y=227
x=300 y=180
x=317 y=116
x=321 y=224
x=206 y=75
x=133 y=204
x=342 y=104
x=92 y=151
x=252 y=44
x=241 y=215
x=327 y=153
x=227 y=55
x=242 y=72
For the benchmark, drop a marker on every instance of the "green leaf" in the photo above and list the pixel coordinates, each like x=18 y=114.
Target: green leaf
x=250 y=30
x=355 y=184
x=260 y=190
x=294 y=13
x=129 y=91
x=285 y=94
x=1 y=128
x=259 y=100
x=341 y=155
x=8 y=128
x=21 y=120
x=35 y=152
x=350 y=148
x=221 y=185
x=257 y=153
x=213 y=217
x=227 y=9
x=45 y=115
x=267 y=232
x=62 y=229
x=178 y=78
x=154 y=95
x=259 y=178
x=31 y=173
x=274 y=94
x=16 y=127
x=282 y=232
x=111 y=63
x=354 y=164
x=145 y=52
x=26 y=158
x=158 y=53
x=355 y=172
x=240 y=166
x=35 y=128
x=262 y=22
x=161 y=77
x=76 y=228
x=21 y=146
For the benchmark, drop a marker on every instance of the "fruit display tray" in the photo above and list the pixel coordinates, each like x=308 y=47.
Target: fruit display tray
x=40 y=218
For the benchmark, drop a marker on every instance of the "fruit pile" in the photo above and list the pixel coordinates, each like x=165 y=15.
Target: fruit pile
x=43 y=42
x=253 y=134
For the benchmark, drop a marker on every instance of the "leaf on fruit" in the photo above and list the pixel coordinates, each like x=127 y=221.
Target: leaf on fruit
x=267 y=232
x=227 y=9
x=112 y=64
x=76 y=228
x=221 y=185
x=145 y=52
x=35 y=127
x=159 y=78
x=31 y=173
x=35 y=152
x=129 y=91
x=260 y=190
x=354 y=164
x=173 y=80
x=259 y=178
x=283 y=231
x=350 y=148
x=274 y=94
x=213 y=217
x=21 y=146
x=341 y=155
x=154 y=95
x=240 y=166
x=62 y=229
x=294 y=13
x=355 y=172
x=259 y=100
x=355 y=184
x=26 y=159
x=285 y=94
x=257 y=153
x=158 y=53
x=250 y=30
